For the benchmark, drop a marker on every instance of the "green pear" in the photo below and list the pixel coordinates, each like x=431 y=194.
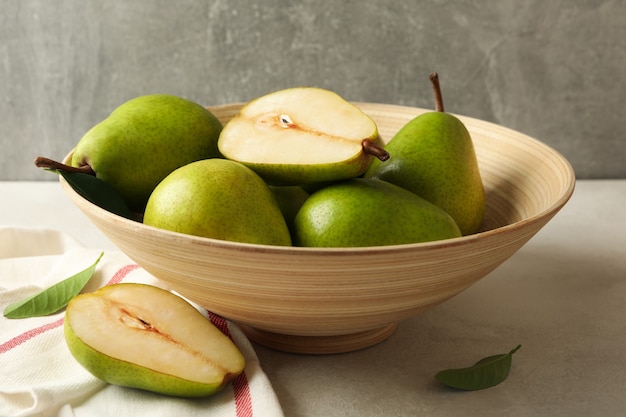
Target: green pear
x=141 y=336
x=289 y=198
x=369 y=212
x=433 y=156
x=220 y=199
x=145 y=139
x=302 y=135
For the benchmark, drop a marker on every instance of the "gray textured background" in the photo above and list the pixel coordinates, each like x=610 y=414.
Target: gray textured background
x=551 y=69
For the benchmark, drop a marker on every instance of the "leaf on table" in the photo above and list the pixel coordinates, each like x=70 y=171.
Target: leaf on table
x=98 y=192
x=52 y=299
x=485 y=373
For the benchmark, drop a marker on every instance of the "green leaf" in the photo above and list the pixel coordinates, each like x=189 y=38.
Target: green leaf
x=485 y=373
x=98 y=192
x=51 y=299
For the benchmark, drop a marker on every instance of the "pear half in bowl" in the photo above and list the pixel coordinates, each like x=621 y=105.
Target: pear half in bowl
x=302 y=135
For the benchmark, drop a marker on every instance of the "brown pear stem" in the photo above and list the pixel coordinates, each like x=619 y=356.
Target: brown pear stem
x=434 y=81
x=47 y=163
x=372 y=148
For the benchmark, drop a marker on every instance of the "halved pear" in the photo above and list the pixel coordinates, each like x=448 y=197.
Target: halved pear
x=302 y=135
x=141 y=336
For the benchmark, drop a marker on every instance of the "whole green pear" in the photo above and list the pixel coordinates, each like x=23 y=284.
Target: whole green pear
x=220 y=199
x=143 y=140
x=369 y=212
x=433 y=156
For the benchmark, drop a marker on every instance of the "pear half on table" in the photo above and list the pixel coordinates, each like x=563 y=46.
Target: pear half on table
x=302 y=135
x=141 y=336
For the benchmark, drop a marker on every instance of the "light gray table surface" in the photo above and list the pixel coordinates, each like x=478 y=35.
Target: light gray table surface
x=562 y=296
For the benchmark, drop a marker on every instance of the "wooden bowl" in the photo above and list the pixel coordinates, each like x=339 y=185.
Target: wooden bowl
x=332 y=300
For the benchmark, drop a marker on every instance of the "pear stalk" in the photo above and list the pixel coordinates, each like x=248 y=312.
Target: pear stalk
x=371 y=148
x=434 y=81
x=47 y=163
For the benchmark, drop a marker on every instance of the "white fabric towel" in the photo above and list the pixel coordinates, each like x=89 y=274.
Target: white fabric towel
x=38 y=375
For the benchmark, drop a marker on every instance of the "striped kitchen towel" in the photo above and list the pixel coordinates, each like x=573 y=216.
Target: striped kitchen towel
x=39 y=376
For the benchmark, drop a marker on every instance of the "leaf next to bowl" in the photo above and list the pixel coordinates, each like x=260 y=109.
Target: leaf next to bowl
x=485 y=373
x=51 y=299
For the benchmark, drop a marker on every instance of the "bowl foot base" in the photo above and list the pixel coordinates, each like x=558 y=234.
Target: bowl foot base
x=319 y=345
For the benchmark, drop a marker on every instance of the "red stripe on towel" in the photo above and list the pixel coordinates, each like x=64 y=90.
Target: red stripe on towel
x=243 y=399
x=121 y=274
x=26 y=336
